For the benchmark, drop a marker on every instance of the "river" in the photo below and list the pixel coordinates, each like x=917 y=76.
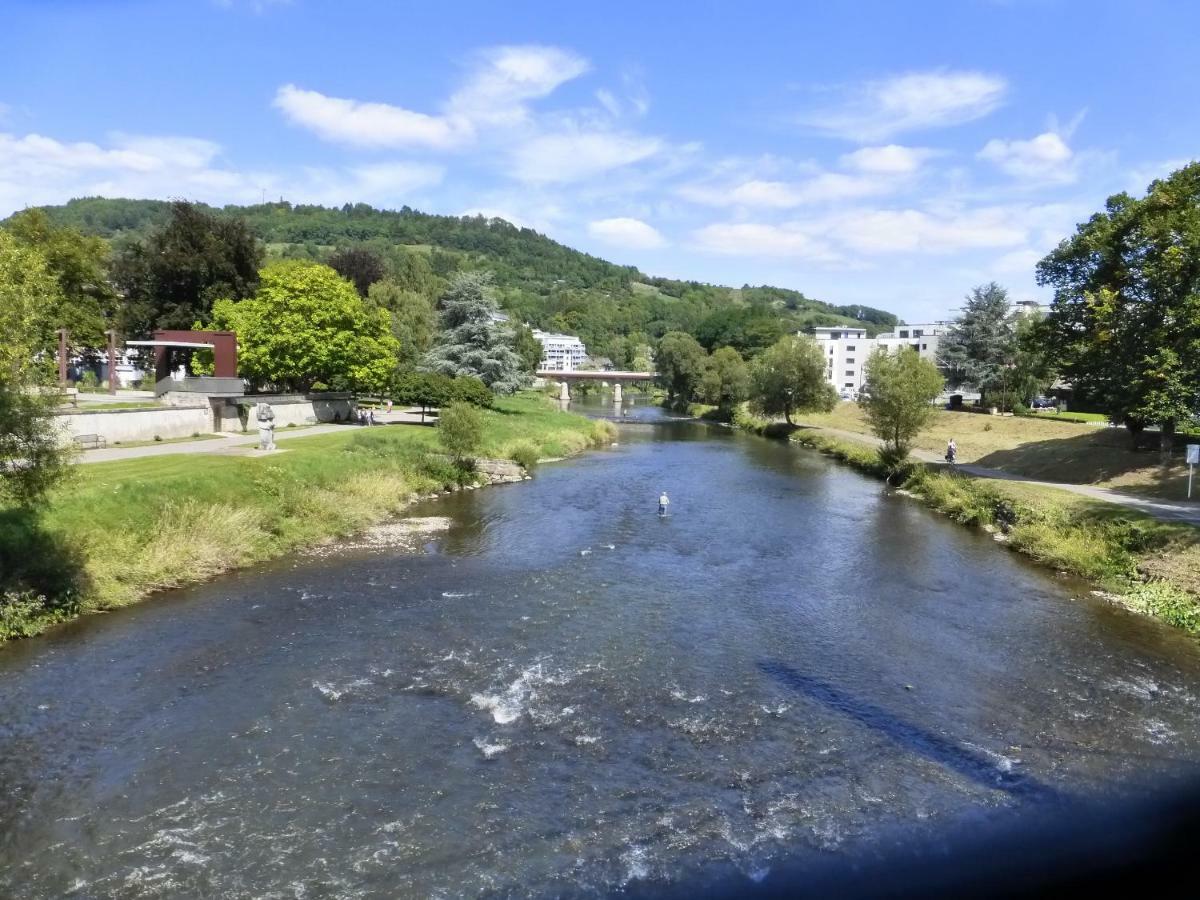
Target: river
x=565 y=694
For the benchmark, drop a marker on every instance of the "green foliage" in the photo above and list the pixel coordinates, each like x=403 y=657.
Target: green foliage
x=460 y=431
x=680 y=361
x=528 y=347
x=616 y=310
x=471 y=343
x=1125 y=322
x=413 y=319
x=306 y=324
x=981 y=348
x=432 y=390
x=899 y=390
x=524 y=454
x=172 y=277
x=726 y=380
x=31 y=458
x=359 y=266
x=789 y=377
x=86 y=302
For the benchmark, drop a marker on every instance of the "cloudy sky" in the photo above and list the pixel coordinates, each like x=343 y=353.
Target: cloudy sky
x=886 y=153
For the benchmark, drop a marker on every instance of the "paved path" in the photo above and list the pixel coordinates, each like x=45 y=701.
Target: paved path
x=1163 y=510
x=239 y=444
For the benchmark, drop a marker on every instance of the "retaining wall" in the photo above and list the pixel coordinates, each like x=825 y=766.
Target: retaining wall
x=138 y=424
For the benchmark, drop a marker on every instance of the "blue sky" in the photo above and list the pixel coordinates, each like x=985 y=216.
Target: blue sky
x=887 y=153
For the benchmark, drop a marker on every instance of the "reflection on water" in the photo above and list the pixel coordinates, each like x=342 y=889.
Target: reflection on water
x=567 y=694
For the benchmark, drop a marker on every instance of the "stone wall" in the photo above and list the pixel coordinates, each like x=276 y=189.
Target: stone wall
x=290 y=409
x=127 y=425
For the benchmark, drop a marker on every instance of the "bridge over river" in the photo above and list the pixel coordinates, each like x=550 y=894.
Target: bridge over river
x=564 y=378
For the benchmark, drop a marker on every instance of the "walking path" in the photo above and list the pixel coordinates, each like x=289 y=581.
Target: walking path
x=1162 y=510
x=241 y=444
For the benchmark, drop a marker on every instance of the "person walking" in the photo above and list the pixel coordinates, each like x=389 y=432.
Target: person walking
x=951 y=451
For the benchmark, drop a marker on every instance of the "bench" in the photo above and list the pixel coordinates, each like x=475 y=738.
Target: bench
x=68 y=395
x=90 y=441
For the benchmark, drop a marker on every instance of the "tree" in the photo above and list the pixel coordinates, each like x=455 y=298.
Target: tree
x=429 y=390
x=981 y=348
x=413 y=319
x=305 y=325
x=726 y=381
x=359 y=266
x=680 y=360
x=472 y=342
x=411 y=271
x=897 y=398
x=86 y=301
x=528 y=347
x=1124 y=326
x=789 y=377
x=460 y=431
x=172 y=278
x=32 y=458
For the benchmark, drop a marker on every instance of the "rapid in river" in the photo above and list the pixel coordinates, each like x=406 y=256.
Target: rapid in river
x=565 y=694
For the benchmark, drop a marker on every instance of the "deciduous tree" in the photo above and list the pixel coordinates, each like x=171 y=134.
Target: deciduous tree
x=307 y=324
x=413 y=319
x=789 y=377
x=680 y=361
x=359 y=266
x=726 y=381
x=898 y=396
x=1125 y=322
x=32 y=458
x=171 y=279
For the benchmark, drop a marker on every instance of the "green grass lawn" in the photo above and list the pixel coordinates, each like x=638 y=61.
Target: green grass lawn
x=120 y=530
x=1044 y=447
x=178 y=440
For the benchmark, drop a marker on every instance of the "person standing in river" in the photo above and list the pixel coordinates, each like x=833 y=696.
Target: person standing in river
x=663 y=502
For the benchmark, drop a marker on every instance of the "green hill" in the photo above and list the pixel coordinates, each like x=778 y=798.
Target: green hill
x=540 y=281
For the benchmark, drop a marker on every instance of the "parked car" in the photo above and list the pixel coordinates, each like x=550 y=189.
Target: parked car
x=1043 y=403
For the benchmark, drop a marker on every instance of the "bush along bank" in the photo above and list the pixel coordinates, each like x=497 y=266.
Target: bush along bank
x=1146 y=565
x=120 y=531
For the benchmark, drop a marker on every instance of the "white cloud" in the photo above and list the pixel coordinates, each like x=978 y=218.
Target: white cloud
x=918 y=231
x=625 y=232
x=762 y=240
x=879 y=109
x=605 y=98
x=364 y=124
x=1043 y=158
x=507 y=77
x=891 y=159
x=35 y=169
x=756 y=193
x=495 y=94
x=576 y=155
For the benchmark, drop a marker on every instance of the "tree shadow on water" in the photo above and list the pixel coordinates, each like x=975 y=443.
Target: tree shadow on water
x=42 y=574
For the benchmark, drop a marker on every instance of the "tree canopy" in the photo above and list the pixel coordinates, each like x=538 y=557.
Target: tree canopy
x=789 y=377
x=981 y=347
x=1124 y=326
x=305 y=325
x=31 y=456
x=171 y=278
x=897 y=398
x=413 y=320
x=471 y=341
x=360 y=266
x=680 y=361
x=726 y=380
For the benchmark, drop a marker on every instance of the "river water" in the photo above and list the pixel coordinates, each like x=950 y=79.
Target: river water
x=566 y=694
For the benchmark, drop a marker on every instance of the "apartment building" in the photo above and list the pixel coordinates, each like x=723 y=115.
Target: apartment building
x=560 y=352
x=847 y=349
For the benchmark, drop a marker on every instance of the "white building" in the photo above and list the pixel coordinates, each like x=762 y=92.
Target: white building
x=847 y=349
x=561 y=352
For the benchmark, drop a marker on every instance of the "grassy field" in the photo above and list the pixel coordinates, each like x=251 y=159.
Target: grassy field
x=1039 y=447
x=1152 y=566
x=119 y=531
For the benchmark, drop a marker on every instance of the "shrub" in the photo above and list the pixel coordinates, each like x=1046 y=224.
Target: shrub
x=524 y=454
x=89 y=381
x=460 y=431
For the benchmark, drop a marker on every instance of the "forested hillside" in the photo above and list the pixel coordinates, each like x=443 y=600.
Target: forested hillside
x=615 y=309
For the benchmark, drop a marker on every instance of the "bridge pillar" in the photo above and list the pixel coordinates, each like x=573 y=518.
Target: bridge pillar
x=617 y=393
x=564 y=392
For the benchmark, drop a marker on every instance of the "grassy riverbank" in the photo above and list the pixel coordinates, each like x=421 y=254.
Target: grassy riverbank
x=119 y=531
x=1147 y=565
